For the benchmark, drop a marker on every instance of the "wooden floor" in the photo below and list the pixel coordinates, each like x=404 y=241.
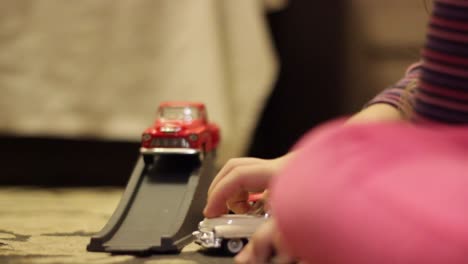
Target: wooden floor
x=54 y=225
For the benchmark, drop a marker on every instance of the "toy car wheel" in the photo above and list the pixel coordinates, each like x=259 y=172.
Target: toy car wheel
x=234 y=245
x=202 y=153
x=148 y=159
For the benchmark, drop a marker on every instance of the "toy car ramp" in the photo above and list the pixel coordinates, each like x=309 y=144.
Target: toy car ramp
x=160 y=208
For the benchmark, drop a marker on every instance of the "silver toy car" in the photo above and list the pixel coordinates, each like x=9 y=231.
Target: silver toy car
x=231 y=232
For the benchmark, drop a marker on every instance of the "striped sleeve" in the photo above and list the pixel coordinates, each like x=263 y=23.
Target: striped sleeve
x=442 y=93
x=401 y=94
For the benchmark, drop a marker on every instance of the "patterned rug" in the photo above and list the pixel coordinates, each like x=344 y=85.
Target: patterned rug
x=44 y=225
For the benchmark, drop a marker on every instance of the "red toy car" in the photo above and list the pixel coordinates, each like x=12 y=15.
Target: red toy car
x=180 y=128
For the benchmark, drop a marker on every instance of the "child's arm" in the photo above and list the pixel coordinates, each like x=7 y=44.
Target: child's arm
x=394 y=103
x=376 y=113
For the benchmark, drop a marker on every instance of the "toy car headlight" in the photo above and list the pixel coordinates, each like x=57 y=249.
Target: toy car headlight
x=193 y=137
x=146 y=137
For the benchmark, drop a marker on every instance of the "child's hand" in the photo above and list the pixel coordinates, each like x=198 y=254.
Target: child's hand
x=231 y=187
x=265 y=245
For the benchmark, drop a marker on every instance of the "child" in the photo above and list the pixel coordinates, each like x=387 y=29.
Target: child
x=440 y=96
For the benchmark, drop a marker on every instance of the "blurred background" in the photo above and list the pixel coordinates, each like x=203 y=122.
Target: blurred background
x=81 y=80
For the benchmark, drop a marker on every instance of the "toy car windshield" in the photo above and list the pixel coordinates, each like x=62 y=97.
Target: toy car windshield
x=179 y=113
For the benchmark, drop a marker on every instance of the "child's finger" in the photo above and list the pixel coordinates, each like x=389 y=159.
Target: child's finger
x=229 y=166
x=283 y=256
x=260 y=247
x=239 y=203
x=237 y=181
x=245 y=255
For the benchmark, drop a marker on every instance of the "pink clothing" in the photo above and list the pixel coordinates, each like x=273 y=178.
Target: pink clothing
x=376 y=193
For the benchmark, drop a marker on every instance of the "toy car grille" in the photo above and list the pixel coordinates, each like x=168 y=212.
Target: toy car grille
x=169 y=143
